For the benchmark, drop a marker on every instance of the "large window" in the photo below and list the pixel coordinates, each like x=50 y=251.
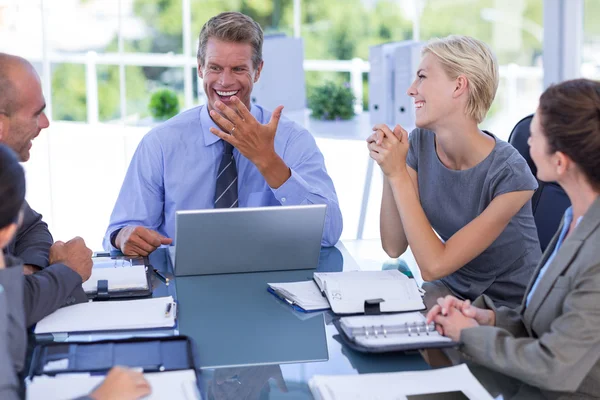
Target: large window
x=100 y=62
x=513 y=28
x=590 y=67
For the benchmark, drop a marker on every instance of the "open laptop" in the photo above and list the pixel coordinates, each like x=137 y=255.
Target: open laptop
x=231 y=240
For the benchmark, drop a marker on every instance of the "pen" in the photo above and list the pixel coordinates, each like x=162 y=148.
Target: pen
x=161 y=276
x=101 y=254
x=168 y=310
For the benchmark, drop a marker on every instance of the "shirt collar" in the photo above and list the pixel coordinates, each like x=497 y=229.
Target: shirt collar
x=569 y=218
x=206 y=123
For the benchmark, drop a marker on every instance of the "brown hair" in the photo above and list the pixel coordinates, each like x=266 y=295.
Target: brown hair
x=570 y=119
x=232 y=27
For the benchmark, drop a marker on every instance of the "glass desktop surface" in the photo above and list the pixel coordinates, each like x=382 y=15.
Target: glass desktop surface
x=235 y=321
x=252 y=345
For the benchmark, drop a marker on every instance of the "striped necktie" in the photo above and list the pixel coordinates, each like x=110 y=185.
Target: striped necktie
x=226 y=191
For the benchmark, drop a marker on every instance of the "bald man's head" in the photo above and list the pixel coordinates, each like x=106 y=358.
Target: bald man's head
x=12 y=68
x=22 y=104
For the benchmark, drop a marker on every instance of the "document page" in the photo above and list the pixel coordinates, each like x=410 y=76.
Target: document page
x=111 y=315
x=304 y=294
x=165 y=385
x=398 y=385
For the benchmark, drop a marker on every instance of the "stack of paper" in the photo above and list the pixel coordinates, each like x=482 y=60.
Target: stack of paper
x=348 y=291
x=119 y=278
x=165 y=385
x=398 y=385
x=111 y=316
x=305 y=295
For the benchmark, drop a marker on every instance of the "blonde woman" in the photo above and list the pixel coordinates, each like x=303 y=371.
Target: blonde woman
x=458 y=195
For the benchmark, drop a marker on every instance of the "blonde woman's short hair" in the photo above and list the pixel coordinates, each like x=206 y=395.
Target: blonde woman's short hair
x=464 y=55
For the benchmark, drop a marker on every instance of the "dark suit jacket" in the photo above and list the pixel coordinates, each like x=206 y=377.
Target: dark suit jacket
x=13 y=338
x=33 y=240
x=56 y=285
x=13 y=335
x=554 y=342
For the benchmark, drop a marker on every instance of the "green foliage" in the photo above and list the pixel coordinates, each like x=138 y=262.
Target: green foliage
x=591 y=27
x=332 y=102
x=68 y=92
x=164 y=104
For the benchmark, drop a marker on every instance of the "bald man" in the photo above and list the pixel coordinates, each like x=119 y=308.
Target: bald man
x=60 y=268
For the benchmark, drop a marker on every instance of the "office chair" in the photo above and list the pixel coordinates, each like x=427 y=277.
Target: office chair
x=549 y=201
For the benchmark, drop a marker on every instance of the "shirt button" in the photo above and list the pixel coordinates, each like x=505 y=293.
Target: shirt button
x=283 y=199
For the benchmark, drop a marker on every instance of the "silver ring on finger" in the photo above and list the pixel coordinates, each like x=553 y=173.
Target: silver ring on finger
x=232 y=129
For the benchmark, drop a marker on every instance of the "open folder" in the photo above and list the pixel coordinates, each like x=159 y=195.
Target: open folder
x=352 y=292
x=111 y=316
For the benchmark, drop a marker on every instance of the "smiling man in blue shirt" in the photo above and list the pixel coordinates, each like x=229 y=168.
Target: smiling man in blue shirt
x=227 y=153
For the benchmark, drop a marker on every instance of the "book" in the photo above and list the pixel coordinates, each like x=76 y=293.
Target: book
x=399 y=385
x=165 y=385
x=111 y=316
x=303 y=296
x=391 y=332
x=353 y=292
x=120 y=275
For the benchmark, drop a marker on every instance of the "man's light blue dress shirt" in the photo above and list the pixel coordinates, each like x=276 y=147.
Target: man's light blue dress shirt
x=568 y=218
x=175 y=168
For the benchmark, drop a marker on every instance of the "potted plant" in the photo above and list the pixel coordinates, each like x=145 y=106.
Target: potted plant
x=332 y=101
x=164 y=104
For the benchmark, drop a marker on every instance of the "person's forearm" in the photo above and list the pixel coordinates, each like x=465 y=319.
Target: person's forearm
x=274 y=170
x=424 y=243
x=48 y=290
x=393 y=238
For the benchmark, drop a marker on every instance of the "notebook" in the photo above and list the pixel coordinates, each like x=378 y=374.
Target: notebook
x=357 y=292
x=111 y=316
x=303 y=296
x=120 y=277
x=398 y=385
x=391 y=332
x=165 y=385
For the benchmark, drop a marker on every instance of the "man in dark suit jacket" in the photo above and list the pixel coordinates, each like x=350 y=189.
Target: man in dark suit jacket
x=32 y=242
x=59 y=268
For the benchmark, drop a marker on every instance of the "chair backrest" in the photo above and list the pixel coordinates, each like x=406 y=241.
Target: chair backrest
x=550 y=201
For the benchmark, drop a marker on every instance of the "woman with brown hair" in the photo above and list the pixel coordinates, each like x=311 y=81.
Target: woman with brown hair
x=552 y=340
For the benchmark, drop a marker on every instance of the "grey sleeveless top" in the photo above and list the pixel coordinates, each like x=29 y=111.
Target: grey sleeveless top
x=451 y=199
